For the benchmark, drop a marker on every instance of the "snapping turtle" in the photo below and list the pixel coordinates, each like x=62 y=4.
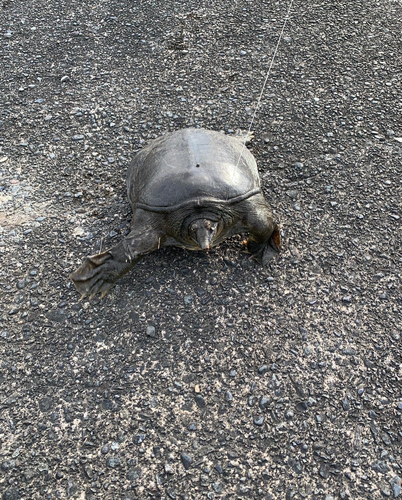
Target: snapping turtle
x=191 y=188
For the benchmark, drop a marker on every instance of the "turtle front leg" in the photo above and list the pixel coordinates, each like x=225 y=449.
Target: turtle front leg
x=265 y=238
x=99 y=273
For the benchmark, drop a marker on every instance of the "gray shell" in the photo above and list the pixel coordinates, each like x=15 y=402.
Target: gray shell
x=191 y=167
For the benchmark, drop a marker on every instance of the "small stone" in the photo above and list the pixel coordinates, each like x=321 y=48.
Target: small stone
x=264 y=402
x=396 y=486
x=188 y=299
x=324 y=471
x=302 y=406
x=21 y=284
x=64 y=78
x=78 y=137
x=218 y=469
x=292 y=194
x=151 y=331
x=217 y=487
x=8 y=465
x=296 y=466
x=134 y=474
x=258 y=420
x=200 y=401
x=169 y=469
x=113 y=462
x=251 y=400
x=346 y=404
x=263 y=369
x=45 y=404
x=139 y=438
x=11 y=494
x=105 y=449
x=228 y=396
x=385 y=438
x=186 y=460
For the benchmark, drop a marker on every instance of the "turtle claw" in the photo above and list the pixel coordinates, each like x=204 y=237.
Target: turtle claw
x=97 y=274
x=264 y=252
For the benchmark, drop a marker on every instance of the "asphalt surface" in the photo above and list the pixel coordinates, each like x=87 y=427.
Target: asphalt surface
x=202 y=375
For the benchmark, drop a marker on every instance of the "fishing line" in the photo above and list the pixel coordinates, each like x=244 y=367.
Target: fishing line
x=264 y=85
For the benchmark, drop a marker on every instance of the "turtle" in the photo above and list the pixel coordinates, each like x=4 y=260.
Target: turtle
x=191 y=188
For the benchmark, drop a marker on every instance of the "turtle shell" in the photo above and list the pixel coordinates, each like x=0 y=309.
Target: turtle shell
x=191 y=167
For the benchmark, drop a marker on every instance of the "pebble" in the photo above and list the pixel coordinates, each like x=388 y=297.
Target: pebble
x=258 y=420
x=134 y=474
x=139 y=438
x=105 y=449
x=78 y=137
x=251 y=401
x=264 y=402
x=302 y=406
x=324 y=471
x=151 y=332
x=217 y=487
x=188 y=299
x=64 y=78
x=200 y=401
x=396 y=486
x=346 y=404
x=8 y=465
x=228 y=396
x=45 y=404
x=11 y=494
x=113 y=462
x=218 y=469
x=263 y=369
x=186 y=460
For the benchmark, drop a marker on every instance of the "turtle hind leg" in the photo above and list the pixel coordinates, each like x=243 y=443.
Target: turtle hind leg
x=265 y=238
x=99 y=273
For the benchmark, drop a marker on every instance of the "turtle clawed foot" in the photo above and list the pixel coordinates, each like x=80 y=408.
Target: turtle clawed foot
x=97 y=274
x=245 y=135
x=264 y=252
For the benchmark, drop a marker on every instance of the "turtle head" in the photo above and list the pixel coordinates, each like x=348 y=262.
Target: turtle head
x=203 y=232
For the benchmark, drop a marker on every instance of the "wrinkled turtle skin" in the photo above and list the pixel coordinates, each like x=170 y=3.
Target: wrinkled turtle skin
x=191 y=188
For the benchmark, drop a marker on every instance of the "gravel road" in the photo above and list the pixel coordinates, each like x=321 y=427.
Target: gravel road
x=202 y=375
